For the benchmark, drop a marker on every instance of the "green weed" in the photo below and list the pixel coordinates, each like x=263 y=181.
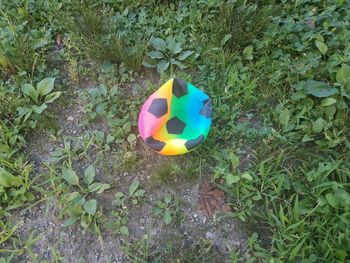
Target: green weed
x=140 y=250
x=78 y=206
x=169 y=209
x=167 y=53
x=243 y=22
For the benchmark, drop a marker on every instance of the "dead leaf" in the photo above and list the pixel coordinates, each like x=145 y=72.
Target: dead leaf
x=211 y=200
x=310 y=22
x=59 y=42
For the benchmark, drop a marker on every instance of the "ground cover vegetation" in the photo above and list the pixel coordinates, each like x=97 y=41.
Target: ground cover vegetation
x=278 y=73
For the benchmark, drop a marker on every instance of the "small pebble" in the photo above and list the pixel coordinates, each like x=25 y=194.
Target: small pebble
x=204 y=220
x=47 y=255
x=209 y=235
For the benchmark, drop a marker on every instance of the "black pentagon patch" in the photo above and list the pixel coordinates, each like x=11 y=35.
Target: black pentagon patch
x=175 y=126
x=207 y=110
x=158 y=107
x=155 y=144
x=180 y=87
x=191 y=144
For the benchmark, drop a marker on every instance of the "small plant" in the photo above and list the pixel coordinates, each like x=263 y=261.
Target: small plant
x=41 y=96
x=78 y=205
x=168 y=52
x=243 y=23
x=130 y=52
x=169 y=209
x=15 y=182
x=140 y=250
x=135 y=194
x=200 y=251
x=21 y=48
x=105 y=45
x=120 y=219
x=173 y=171
x=9 y=102
x=118 y=222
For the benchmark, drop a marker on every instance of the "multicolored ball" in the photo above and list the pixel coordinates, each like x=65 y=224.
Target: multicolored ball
x=176 y=118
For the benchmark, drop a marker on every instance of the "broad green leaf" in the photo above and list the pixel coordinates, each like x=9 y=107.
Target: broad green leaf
x=102 y=89
x=77 y=208
x=231 y=179
x=133 y=187
x=131 y=138
x=340 y=254
x=332 y=200
x=330 y=111
x=98 y=187
x=328 y=102
x=247 y=176
x=157 y=211
x=163 y=65
x=167 y=217
x=179 y=64
x=71 y=196
x=39 y=109
x=127 y=127
x=185 y=55
x=318 y=125
x=319 y=89
x=158 y=44
x=90 y=207
x=89 y=175
x=347 y=89
x=343 y=74
x=119 y=195
x=70 y=176
x=70 y=221
x=29 y=196
x=334 y=60
x=167 y=199
x=248 y=52
x=45 y=86
x=103 y=187
x=156 y=55
x=284 y=117
x=8 y=180
x=225 y=39
x=322 y=47
x=124 y=231
x=139 y=193
x=175 y=48
x=52 y=96
x=40 y=42
x=30 y=91
x=150 y=64
x=107 y=67
x=95 y=187
x=257 y=197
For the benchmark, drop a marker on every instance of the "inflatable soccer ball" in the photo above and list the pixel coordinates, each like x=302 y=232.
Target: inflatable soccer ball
x=176 y=118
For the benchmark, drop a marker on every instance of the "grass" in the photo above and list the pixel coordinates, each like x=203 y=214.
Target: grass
x=278 y=76
x=171 y=172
